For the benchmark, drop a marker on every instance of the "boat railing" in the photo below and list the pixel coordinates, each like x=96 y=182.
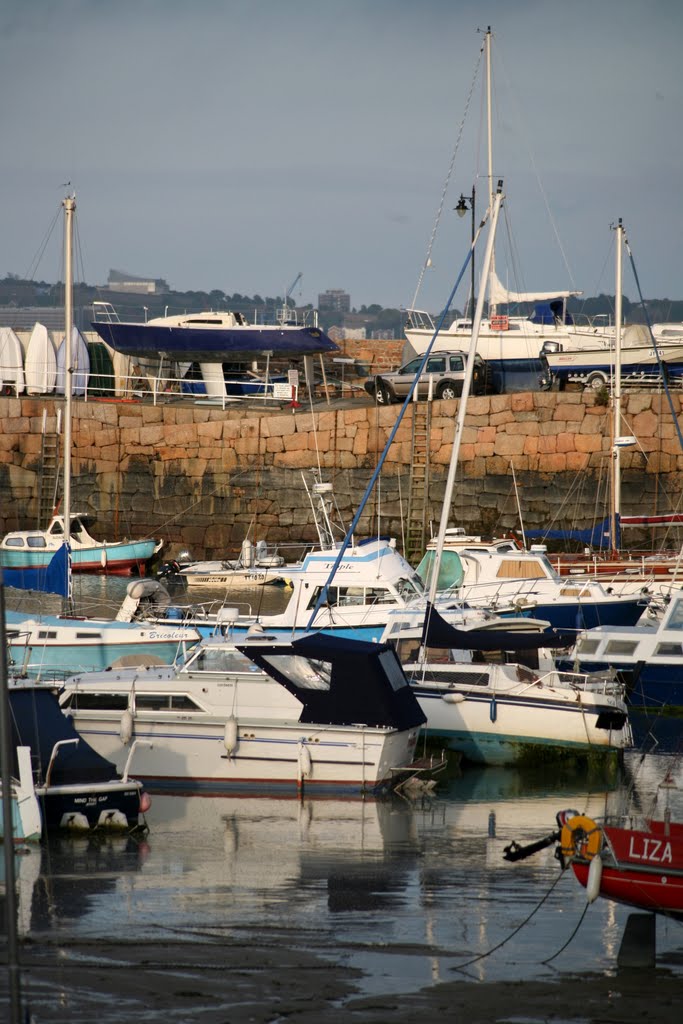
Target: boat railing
x=55 y=753
x=418 y=319
x=603 y=683
x=104 y=313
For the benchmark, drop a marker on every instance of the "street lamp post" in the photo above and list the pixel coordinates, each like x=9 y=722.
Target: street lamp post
x=466 y=203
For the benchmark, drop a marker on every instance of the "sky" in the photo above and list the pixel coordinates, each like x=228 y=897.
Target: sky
x=233 y=144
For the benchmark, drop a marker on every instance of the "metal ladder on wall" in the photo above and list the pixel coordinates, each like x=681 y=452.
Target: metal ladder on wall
x=49 y=469
x=416 y=527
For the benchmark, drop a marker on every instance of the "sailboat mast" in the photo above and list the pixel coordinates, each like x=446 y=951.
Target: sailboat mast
x=69 y=204
x=462 y=405
x=616 y=398
x=489 y=140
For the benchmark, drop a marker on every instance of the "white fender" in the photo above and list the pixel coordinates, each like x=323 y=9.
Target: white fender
x=103 y=556
x=594 y=878
x=305 y=763
x=453 y=698
x=126 y=727
x=230 y=738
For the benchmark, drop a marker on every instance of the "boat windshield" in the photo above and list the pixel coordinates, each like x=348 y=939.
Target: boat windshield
x=451 y=572
x=219 y=659
x=306 y=673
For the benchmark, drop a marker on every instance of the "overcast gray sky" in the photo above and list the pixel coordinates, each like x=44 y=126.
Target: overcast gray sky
x=230 y=144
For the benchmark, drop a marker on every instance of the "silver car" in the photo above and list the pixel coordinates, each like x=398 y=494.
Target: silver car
x=446 y=370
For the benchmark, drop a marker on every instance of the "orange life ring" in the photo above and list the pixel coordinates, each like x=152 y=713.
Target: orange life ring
x=580 y=837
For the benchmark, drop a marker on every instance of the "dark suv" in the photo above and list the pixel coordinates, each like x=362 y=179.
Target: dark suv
x=446 y=369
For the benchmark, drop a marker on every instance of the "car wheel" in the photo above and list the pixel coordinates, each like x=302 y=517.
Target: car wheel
x=449 y=390
x=383 y=395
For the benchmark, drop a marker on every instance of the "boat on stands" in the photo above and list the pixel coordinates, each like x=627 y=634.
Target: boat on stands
x=33 y=549
x=323 y=713
x=27 y=823
x=222 y=343
x=77 y=789
x=207 y=337
x=643 y=361
x=511 y=344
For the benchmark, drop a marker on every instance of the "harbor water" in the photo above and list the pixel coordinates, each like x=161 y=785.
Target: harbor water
x=396 y=895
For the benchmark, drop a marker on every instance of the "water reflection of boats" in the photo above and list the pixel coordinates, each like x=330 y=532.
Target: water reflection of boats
x=65 y=878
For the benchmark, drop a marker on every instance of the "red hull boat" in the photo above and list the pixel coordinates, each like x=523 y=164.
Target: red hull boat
x=641 y=867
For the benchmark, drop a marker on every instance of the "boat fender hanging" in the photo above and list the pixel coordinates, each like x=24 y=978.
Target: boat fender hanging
x=453 y=698
x=126 y=727
x=580 y=837
x=305 y=763
x=493 y=710
x=103 y=556
x=594 y=879
x=230 y=737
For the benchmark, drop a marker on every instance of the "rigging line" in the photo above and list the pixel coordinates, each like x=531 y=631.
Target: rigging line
x=660 y=363
x=571 y=937
x=41 y=251
x=522 y=130
x=394 y=430
x=512 y=934
x=430 y=246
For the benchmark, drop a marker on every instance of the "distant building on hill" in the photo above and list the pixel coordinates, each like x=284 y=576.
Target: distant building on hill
x=118 y=281
x=334 y=300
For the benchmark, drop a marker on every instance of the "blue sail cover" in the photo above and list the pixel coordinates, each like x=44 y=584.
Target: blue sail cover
x=597 y=536
x=53 y=578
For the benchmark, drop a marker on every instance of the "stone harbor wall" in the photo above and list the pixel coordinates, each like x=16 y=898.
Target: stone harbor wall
x=203 y=478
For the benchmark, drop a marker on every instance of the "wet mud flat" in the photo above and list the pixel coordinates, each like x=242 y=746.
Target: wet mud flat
x=214 y=981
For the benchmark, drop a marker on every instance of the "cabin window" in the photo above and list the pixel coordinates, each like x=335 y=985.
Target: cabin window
x=36 y=542
x=626 y=647
x=14 y=542
x=181 y=702
x=351 y=595
x=78 y=701
x=670 y=649
x=88 y=636
x=47 y=634
x=164 y=702
x=379 y=595
x=56 y=527
x=588 y=646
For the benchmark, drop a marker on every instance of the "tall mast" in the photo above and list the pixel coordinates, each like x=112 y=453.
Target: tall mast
x=462 y=405
x=616 y=399
x=489 y=123
x=69 y=204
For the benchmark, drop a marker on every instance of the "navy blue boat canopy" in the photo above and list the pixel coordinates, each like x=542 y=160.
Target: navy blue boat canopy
x=341 y=680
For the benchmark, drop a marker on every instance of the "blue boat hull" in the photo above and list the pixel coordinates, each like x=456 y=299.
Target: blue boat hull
x=198 y=344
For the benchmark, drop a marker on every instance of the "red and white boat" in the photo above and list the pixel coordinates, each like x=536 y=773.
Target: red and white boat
x=639 y=865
